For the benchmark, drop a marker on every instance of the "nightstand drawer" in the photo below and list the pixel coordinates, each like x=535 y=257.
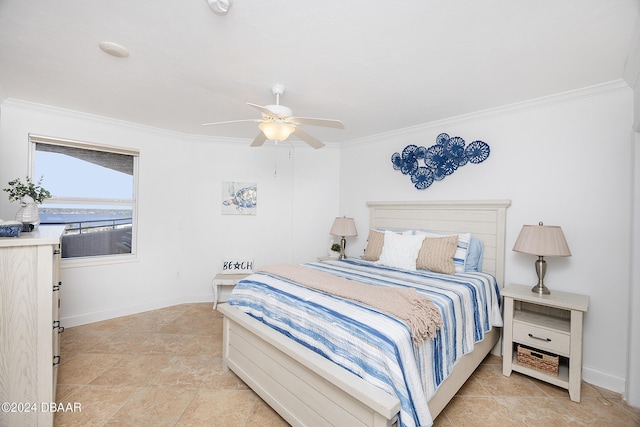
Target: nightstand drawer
x=551 y=340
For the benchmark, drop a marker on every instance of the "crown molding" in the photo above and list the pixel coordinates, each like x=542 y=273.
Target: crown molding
x=559 y=98
x=595 y=90
x=144 y=128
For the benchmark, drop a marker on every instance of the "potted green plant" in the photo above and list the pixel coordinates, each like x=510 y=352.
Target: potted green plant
x=30 y=195
x=334 y=250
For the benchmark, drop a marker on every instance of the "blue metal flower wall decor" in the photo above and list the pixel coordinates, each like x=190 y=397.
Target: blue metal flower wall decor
x=425 y=165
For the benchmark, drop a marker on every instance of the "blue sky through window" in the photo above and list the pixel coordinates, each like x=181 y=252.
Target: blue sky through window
x=66 y=176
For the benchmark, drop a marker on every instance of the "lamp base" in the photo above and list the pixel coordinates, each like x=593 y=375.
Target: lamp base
x=541 y=289
x=343 y=246
x=541 y=269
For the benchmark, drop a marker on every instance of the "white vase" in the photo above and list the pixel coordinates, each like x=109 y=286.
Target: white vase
x=28 y=212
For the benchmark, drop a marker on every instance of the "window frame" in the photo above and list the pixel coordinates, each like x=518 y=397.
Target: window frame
x=133 y=203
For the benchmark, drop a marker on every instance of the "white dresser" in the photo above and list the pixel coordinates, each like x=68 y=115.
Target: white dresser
x=29 y=325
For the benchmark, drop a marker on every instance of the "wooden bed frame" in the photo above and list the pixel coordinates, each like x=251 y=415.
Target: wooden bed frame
x=308 y=390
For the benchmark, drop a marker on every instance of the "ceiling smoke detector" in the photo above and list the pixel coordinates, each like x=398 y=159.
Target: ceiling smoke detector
x=220 y=6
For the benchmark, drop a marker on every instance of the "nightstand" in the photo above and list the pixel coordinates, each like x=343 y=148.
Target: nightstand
x=224 y=280
x=550 y=323
x=327 y=258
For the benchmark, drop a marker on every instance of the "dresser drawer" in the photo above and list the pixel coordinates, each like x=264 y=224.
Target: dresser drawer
x=536 y=336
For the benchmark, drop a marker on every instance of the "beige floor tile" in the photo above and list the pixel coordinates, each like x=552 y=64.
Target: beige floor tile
x=220 y=408
x=185 y=372
x=153 y=407
x=491 y=378
x=442 y=421
x=478 y=411
x=82 y=368
x=202 y=344
x=164 y=368
x=591 y=412
x=132 y=371
x=473 y=387
x=226 y=381
x=65 y=391
x=125 y=343
x=537 y=411
x=97 y=405
x=194 y=322
x=74 y=341
x=163 y=343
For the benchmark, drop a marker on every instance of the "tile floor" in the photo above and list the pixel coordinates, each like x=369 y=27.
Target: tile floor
x=163 y=368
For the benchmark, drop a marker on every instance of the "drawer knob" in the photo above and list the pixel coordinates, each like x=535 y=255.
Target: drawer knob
x=538 y=338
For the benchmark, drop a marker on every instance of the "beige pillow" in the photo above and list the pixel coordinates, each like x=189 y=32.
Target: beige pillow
x=436 y=254
x=374 y=246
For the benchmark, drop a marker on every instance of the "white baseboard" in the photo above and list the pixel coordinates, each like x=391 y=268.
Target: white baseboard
x=604 y=380
x=112 y=313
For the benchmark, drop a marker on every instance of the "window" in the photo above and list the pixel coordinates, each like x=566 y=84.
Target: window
x=94 y=194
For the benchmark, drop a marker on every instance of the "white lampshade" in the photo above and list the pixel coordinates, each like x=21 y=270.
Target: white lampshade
x=343 y=227
x=542 y=240
x=276 y=131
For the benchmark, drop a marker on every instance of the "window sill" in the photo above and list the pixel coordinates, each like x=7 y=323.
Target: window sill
x=81 y=262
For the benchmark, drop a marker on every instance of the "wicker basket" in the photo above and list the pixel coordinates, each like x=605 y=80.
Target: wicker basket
x=538 y=360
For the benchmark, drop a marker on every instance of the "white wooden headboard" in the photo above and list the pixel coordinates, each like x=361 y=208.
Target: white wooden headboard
x=484 y=219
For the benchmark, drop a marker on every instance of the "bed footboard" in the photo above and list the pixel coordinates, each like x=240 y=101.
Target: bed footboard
x=303 y=387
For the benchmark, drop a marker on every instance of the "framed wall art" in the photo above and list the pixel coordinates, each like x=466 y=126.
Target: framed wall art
x=239 y=198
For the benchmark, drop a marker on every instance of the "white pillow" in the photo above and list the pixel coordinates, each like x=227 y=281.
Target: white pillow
x=460 y=257
x=400 y=250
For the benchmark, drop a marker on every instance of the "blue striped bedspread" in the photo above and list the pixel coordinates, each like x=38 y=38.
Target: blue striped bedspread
x=376 y=346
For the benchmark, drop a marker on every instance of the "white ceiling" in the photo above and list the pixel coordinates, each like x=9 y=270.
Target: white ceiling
x=376 y=65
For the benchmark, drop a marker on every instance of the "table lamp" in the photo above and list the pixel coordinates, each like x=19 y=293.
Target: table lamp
x=541 y=240
x=343 y=227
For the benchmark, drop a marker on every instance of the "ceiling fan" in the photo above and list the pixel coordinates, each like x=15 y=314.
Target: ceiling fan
x=278 y=123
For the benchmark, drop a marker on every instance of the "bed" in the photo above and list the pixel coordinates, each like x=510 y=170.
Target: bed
x=306 y=388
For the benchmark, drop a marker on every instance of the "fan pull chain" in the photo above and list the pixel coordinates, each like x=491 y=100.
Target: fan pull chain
x=275 y=158
x=275 y=161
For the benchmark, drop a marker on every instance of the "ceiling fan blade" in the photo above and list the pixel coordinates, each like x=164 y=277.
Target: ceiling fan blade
x=263 y=109
x=260 y=139
x=311 y=140
x=232 y=121
x=273 y=111
x=318 y=122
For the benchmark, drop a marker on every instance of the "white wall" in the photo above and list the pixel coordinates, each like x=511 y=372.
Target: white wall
x=563 y=160
x=182 y=235
x=633 y=384
x=632 y=77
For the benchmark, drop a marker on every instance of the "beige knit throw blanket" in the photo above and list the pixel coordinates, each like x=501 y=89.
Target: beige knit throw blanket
x=417 y=311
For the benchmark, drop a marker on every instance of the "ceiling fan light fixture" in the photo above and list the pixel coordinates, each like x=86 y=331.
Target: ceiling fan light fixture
x=276 y=131
x=220 y=6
